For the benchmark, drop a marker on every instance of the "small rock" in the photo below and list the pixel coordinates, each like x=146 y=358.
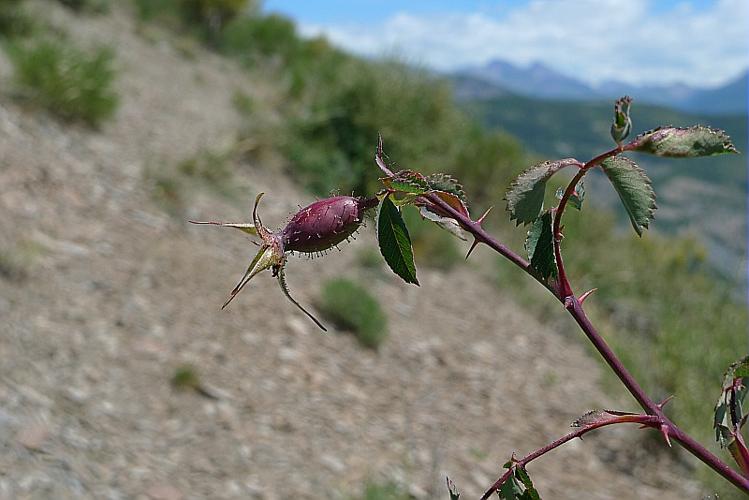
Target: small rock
x=33 y=436
x=164 y=492
x=332 y=463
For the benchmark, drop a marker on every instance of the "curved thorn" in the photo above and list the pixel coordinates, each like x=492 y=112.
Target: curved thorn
x=586 y=295
x=256 y=218
x=664 y=431
x=665 y=401
x=285 y=290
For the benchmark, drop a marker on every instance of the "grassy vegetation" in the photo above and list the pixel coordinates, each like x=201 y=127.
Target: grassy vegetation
x=14 y=20
x=382 y=491
x=351 y=307
x=69 y=82
x=87 y=6
x=170 y=184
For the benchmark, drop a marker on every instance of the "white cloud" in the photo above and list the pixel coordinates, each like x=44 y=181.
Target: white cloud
x=593 y=39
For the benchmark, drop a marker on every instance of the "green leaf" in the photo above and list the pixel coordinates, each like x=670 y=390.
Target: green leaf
x=454 y=493
x=677 y=142
x=530 y=490
x=540 y=246
x=518 y=486
x=729 y=412
x=525 y=197
x=408 y=181
x=622 y=122
x=395 y=242
x=448 y=184
x=634 y=189
x=577 y=198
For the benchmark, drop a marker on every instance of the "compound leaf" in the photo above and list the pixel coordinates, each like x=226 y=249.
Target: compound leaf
x=395 y=242
x=525 y=197
x=679 y=142
x=540 y=246
x=634 y=189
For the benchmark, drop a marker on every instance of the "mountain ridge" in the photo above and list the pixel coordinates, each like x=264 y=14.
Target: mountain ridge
x=541 y=81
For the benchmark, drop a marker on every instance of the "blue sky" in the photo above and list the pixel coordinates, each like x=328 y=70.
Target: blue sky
x=698 y=42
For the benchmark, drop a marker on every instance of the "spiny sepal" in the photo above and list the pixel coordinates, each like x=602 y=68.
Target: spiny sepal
x=279 y=272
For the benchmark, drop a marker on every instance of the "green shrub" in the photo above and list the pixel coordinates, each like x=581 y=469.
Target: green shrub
x=347 y=102
x=383 y=491
x=170 y=184
x=14 y=21
x=67 y=81
x=249 y=37
x=353 y=308
x=92 y=6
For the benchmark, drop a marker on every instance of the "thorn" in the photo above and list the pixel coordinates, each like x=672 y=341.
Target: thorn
x=474 y=245
x=586 y=295
x=664 y=431
x=665 y=401
x=480 y=220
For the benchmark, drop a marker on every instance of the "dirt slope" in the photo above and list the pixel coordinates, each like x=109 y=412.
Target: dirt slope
x=118 y=294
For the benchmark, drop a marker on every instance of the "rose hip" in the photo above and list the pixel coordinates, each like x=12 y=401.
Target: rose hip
x=324 y=224
x=314 y=229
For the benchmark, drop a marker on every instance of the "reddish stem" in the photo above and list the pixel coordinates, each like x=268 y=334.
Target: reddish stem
x=645 y=420
x=575 y=309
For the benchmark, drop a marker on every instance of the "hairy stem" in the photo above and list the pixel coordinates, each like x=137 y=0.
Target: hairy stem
x=645 y=420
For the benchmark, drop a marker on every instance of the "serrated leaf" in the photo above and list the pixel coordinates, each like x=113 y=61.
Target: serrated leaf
x=540 y=246
x=447 y=184
x=407 y=181
x=518 y=486
x=530 y=490
x=729 y=414
x=679 y=142
x=454 y=493
x=395 y=242
x=525 y=197
x=634 y=188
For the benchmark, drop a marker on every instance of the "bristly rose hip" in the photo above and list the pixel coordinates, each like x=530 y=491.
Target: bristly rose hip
x=313 y=230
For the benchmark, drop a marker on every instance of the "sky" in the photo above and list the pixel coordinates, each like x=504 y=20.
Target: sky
x=698 y=42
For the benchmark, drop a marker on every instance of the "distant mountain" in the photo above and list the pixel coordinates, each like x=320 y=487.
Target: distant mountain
x=497 y=78
x=536 y=80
